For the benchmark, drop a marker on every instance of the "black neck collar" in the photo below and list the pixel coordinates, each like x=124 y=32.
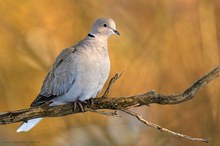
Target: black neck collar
x=90 y=35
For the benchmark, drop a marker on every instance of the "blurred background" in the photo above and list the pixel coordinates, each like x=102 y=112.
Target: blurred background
x=164 y=45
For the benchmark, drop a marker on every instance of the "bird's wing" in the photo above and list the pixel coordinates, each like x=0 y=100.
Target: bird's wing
x=60 y=78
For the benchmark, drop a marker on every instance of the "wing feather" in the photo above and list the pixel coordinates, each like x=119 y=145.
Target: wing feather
x=60 y=78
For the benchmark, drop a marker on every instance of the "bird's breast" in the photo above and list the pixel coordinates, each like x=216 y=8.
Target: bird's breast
x=95 y=64
x=93 y=70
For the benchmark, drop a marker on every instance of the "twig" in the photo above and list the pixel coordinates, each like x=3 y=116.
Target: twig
x=113 y=79
x=158 y=127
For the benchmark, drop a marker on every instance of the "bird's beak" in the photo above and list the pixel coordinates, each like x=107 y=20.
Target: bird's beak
x=116 y=32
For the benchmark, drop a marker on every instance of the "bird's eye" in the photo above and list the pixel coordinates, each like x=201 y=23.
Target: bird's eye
x=105 y=25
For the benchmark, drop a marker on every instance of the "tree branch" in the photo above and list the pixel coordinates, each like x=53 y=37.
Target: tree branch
x=117 y=103
x=161 y=129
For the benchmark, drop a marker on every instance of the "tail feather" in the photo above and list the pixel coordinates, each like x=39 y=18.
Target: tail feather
x=29 y=125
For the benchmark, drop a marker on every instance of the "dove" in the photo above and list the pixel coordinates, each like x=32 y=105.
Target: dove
x=78 y=73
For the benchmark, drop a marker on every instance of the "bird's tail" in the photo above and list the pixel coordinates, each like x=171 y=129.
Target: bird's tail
x=28 y=125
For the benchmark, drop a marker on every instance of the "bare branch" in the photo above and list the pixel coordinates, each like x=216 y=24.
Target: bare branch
x=117 y=103
x=161 y=129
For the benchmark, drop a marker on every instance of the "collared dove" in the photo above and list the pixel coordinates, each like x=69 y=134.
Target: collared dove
x=79 y=72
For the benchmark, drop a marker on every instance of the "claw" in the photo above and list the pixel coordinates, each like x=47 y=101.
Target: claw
x=89 y=101
x=79 y=103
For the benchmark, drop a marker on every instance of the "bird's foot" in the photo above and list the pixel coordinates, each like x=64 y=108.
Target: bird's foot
x=89 y=101
x=78 y=103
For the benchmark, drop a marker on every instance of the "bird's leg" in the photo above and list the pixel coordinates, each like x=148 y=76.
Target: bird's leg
x=79 y=103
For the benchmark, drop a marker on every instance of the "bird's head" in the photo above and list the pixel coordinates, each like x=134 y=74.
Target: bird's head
x=104 y=27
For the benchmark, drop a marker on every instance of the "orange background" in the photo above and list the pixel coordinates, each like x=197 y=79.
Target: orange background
x=164 y=45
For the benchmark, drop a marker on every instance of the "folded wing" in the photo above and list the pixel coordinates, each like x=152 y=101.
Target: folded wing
x=60 y=78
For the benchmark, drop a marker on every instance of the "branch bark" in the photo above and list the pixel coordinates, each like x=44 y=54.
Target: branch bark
x=117 y=103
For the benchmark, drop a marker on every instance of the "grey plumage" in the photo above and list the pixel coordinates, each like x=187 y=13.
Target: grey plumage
x=79 y=72
x=60 y=78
